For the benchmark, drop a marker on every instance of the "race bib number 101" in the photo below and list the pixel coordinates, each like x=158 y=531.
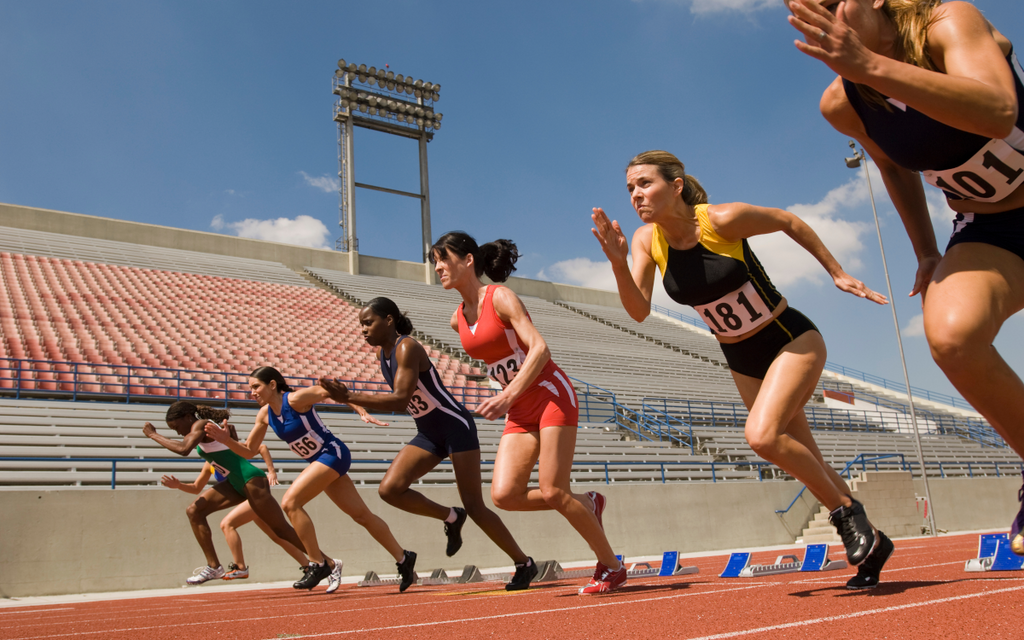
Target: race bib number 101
x=996 y=171
x=735 y=313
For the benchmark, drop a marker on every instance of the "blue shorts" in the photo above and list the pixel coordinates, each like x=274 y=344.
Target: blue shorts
x=446 y=435
x=334 y=455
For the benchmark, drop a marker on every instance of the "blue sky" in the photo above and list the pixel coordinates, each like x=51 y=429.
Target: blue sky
x=216 y=116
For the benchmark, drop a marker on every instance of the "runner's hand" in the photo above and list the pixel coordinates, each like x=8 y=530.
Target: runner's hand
x=849 y=284
x=609 y=234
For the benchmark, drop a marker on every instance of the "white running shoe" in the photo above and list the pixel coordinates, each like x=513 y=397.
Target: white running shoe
x=334 y=580
x=236 y=573
x=204 y=574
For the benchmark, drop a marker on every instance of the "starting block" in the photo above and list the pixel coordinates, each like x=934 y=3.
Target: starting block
x=815 y=559
x=994 y=554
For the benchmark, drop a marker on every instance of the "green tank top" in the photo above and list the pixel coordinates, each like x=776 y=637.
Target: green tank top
x=235 y=469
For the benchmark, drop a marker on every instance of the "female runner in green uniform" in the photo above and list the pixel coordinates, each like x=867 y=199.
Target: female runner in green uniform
x=239 y=516
x=243 y=482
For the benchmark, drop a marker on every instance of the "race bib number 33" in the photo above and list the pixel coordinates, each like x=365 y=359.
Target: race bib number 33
x=735 y=313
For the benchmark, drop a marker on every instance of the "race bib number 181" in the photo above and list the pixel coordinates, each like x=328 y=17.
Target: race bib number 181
x=735 y=313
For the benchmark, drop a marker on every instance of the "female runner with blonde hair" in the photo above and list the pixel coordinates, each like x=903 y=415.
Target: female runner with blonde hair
x=934 y=88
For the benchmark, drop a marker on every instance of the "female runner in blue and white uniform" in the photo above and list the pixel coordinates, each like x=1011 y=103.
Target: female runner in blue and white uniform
x=291 y=415
x=444 y=429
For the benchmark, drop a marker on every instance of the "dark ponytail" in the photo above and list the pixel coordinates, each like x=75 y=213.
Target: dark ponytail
x=385 y=307
x=268 y=374
x=184 y=408
x=496 y=259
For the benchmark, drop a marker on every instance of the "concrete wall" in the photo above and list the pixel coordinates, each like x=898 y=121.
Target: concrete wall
x=75 y=541
x=292 y=256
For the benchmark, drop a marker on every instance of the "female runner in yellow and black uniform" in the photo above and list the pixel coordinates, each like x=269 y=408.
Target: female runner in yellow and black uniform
x=776 y=354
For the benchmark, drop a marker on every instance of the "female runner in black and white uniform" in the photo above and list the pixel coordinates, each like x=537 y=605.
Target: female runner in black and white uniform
x=933 y=87
x=775 y=353
x=444 y=429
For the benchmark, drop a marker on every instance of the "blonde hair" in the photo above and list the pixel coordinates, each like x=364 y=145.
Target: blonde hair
x=911 y=19
x=670 y=168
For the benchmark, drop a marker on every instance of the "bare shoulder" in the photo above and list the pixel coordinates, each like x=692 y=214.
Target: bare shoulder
x=506 y=302
x=836 y=108
x=644 y=236
x=958 y=14
x=261 y=415
x=410 y=353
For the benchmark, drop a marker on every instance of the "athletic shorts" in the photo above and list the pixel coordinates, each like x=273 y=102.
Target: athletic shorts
x=335 y=455
x=753 y=356
x=1004 y=230
x=445 y=435
x=246 y=472
x=550 y=402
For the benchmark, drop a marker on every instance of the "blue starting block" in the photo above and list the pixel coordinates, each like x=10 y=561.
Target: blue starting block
x=994 y=554
x=815 y=559
x=737 y=563
x=670 y=565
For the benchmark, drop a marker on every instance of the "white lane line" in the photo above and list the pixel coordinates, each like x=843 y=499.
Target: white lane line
x=825 y=578
x=235 y=620
x=7 y=613
x=847 y=616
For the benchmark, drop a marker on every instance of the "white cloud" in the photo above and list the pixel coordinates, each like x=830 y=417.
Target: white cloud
x=788 y=263
x=584 y=272
x=304 y=231
x=325 y=183
x=704 y=7
x=914 y=327
x=938 y=207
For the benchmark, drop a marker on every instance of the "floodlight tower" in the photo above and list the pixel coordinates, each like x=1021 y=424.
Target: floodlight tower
x=380 y=100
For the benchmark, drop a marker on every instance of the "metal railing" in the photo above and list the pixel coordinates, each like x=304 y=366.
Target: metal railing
x=23 y=377
x=864 y=459
x=898 y=387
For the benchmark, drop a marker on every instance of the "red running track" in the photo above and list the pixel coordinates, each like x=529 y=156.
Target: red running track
x=925 y=593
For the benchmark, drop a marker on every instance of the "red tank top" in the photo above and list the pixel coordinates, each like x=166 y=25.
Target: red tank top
x=497 y=344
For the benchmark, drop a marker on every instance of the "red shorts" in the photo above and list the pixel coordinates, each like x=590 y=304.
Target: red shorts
x=550 y=402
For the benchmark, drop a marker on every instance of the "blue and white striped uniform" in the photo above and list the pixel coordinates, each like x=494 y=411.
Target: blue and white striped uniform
x=307 y=435
x=443 y=425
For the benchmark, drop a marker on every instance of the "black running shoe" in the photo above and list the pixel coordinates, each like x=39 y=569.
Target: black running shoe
x=857 y=533
x=313 y=575
x=870 y=569
x=406 y=569
x=525 y=572
x=454 y=531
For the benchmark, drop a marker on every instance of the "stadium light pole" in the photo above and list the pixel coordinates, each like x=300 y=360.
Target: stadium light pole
x=378 y=99
x=858 y=160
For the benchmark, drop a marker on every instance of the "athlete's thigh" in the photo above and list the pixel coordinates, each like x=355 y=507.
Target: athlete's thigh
x=313 y=481
x=557 y=448
x=748 y=387
x=239 y=516
x=220 y=496
x=411 y=464
x=789 y=383
x=517 y=454
x=975 y=288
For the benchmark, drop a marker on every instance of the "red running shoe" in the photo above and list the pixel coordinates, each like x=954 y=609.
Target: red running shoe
x=605 y=579
x=599 y=504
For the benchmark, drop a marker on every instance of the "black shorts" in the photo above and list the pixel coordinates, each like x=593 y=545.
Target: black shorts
x=753 y=356
x=444 y=435
x=1004 y=230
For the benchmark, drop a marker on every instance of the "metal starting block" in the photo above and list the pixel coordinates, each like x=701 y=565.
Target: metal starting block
x=815 y=559
x=994 y=554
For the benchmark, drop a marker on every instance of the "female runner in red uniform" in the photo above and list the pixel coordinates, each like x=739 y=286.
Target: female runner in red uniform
x=536 y=397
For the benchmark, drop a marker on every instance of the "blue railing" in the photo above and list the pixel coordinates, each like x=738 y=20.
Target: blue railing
x=864 y=459
x=73 y=380
x=898 y=387
x=606 y=465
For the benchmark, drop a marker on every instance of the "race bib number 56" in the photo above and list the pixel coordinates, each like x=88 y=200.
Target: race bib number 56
x=735 y=313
